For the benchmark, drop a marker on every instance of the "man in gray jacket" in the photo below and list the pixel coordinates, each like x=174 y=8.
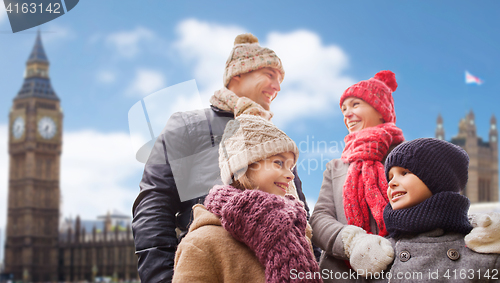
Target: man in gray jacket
x=183 y=164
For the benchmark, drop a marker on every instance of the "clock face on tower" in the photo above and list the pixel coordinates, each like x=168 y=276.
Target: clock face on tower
x=18 y=127
x=47 y=127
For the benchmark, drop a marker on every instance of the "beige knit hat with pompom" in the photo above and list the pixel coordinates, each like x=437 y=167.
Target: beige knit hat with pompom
x=247 y=55
x=248 y=139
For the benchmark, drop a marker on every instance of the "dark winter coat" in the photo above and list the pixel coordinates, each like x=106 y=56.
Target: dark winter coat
x=158 y=211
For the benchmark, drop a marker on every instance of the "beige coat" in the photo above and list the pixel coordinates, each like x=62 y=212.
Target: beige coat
x=328 y=220
x=209 y=253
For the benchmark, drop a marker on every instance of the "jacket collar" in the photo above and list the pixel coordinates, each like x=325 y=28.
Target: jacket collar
x=203 y=217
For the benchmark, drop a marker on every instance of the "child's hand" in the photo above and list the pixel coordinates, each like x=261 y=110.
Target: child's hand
x=366 y=252
x=485 y=237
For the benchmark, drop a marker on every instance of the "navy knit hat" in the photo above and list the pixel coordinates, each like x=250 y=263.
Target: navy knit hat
x=441 y=165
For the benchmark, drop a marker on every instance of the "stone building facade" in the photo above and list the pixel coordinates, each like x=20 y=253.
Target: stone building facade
x=107 y=252
x=35 y=141
x=35 y=248
x=483 y=155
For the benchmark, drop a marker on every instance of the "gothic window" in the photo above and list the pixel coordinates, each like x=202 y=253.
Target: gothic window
x=48 y=165
x=48 y=198
x=48 y=228
x=19 y=167
x=484 y=190
x=14 y=226
x=39 y=165
x=481 y=196
x=99 y=256
x=36 y=256
x=488 y=191
x=110 y=255
x=13 y=167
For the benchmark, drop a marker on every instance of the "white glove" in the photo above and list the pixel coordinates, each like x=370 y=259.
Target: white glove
x=366 y=252
x=485 y=237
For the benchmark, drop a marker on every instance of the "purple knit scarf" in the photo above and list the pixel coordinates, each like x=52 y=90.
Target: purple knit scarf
x=270 y=225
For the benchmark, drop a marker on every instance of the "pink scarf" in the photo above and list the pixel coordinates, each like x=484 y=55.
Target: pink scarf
x=366 y=186
x=272 y=226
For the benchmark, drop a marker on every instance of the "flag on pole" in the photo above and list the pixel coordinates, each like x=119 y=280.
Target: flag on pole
x=470 y=79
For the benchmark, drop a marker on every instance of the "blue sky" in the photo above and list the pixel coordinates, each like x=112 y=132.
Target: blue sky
x=107 y=55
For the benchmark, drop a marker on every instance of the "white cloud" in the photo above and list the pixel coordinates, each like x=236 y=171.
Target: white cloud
x=96 y=171
x=208 y=46
x=127 y=43
x=106 y=76
x=55 y=33
x=146 y=82
x=314 y=78
x=95 y=38
x=95 y=174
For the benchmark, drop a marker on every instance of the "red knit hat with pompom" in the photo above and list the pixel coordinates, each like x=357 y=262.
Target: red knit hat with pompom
x=376 y=91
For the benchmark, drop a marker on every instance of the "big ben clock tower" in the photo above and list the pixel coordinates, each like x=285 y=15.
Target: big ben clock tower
x=35 y=140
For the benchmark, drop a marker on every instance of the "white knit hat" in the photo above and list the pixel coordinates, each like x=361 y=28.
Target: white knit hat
x=248 y=139
x=247 y=55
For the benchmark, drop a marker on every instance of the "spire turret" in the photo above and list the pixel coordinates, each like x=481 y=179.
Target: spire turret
x=493 y=131
x=78 y=229
x=36 y=77
x=38 y=53
x=470 y=124
x=440 y=128
x=462 y=128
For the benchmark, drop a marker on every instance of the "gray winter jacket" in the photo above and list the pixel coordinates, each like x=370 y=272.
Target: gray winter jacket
x=440 y=257
x=328 y=220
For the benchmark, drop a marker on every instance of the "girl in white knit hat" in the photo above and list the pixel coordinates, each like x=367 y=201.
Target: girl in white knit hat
x=252 y=229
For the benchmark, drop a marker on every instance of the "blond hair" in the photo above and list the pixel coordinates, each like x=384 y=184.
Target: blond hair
x=243 y=183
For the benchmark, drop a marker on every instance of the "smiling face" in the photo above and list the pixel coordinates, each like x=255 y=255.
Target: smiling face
x=359 y=115
x=274 y=174
x=405 y=189
x=261 y=85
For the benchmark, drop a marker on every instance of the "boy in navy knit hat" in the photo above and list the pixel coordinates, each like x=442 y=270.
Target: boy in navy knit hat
x=425 y=178
x=427 y=216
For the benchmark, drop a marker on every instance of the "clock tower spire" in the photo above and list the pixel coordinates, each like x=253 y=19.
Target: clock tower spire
x=36 y=76
x=35 y=142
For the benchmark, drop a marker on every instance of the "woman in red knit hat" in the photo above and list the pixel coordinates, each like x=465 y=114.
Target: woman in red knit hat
x=349 y=210
x=348 y=222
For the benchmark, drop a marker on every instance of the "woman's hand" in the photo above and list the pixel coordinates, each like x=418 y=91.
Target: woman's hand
x=366 y=252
